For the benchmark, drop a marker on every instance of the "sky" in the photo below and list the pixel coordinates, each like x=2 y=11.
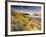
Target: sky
x=31 y=8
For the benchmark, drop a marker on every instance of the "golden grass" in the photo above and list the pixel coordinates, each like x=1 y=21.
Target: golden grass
x=24 y=22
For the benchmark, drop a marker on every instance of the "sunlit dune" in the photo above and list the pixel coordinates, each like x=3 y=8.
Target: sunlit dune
x=21 y=22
